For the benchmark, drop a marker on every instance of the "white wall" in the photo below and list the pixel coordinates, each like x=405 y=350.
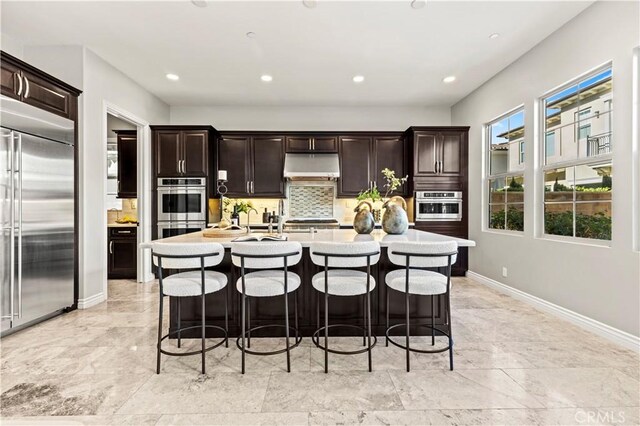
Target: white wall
x=602 y=283
x=311 y=118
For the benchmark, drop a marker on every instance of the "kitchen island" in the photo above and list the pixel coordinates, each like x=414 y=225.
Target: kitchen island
x=343 y=310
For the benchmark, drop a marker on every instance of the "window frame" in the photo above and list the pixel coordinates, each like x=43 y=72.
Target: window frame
x=576 y=162
x=487 y=176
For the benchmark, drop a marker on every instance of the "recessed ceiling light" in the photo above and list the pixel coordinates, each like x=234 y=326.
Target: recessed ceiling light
x=449 y=79
x=199 y=3
x=173 y=77
x=418 y=4
x=266 y=78
x=358 y=79
x=310 y=4
x=494 y=36
x=251 y=34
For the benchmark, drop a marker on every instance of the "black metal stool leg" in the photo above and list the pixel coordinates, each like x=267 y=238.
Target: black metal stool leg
x=387 y=322
x=317 y=312
x=226 y=315
x=179 y=326
x=159 y=334
x=249 y=322
x=433 y=330
x=448 y=301
x=408 y=327
x=369 y=329
x=203 y=328
x=326 y=329
x=364 y=320
x=244 y=318
x=286 y=327
x=295 y=309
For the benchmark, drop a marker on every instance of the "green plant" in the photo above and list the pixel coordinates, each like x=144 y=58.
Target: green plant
x=392 y=182
x=515 y=186
x=597 y=189
x=241 y=206
x=370 y=194
x=560 y=187
x=515 y=220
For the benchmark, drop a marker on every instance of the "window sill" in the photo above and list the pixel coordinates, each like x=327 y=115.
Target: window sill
x=504 y=232
x=576 y=240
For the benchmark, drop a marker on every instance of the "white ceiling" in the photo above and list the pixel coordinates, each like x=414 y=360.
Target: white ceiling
x=312 y=54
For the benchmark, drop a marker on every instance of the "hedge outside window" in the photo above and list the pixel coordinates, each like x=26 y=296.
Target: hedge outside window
x=577 y=151
x=505 y=170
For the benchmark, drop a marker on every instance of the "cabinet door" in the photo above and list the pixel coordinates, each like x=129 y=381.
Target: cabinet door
x=425 y=153
x=234 y=156
x=451 y=153
x=9 y=81
x=355 y=157
x=268 y=166
x=194 y=153
x=325 y=144
x=44 y=95
x=298 y=144
x=167 y=153
x=389 y=152
x=122 y=258
x=127 y=165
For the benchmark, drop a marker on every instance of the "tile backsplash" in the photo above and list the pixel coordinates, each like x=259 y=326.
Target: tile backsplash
x=308 y=201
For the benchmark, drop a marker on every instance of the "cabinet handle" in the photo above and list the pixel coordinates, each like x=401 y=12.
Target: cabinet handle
x=440 y=167
x=313 y=144
x=252 y=191
x=26 y=87
x=19 y=83
x=247 y=187
x=310 y=144
x=110 y=247
x=435 y=166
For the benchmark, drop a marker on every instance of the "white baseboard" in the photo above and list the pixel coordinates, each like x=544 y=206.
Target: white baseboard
x=91 y=301
x=620 y=337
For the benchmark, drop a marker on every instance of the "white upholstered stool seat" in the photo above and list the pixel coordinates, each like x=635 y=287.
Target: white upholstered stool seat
x=420 y=281
x=343 y=282
x=268 y=282
x=187 y=284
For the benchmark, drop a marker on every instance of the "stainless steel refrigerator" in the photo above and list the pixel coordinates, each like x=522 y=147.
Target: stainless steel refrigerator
x=37 y=214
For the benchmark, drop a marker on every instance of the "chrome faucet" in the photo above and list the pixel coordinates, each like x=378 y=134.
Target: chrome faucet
x=248 y=220
x=280 y=215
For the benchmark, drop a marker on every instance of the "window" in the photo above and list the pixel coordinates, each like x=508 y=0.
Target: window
x=505 y=172
x=578 y=177
x=550 y=143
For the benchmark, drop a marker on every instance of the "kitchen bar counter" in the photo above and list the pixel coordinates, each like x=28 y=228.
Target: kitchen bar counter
x=343 y=310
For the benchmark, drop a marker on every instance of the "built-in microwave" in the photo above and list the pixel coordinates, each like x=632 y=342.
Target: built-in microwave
x=438 y=205
x=182 y=199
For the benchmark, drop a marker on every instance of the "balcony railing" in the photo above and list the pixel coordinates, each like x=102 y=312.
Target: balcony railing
x=599 y=144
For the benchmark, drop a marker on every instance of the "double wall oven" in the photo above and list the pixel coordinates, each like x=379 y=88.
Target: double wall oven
x=438 y=206
x=182 y=205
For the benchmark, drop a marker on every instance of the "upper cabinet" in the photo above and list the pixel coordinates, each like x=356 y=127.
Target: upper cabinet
x=183 y=150
x=28 y=84
x=254 y=164
x=439 y=153
x=362 y=158
x=311 y=144
x=127 y=163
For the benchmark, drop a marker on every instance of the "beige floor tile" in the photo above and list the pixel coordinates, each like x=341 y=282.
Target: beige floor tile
x=469 y=389
x=194 y=393
x=579 y=387
x=337 y=390
x=144 y=420
x=248 y=419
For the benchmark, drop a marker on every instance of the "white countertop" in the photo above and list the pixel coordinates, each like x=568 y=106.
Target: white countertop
x=121 y=225
x=334 y=235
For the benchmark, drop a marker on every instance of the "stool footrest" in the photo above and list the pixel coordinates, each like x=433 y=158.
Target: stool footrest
x=422 y=351
x=225 y=338
x=315 y=338
x=297 y=340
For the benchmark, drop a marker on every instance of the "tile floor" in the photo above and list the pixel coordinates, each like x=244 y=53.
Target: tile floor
x=514 y=366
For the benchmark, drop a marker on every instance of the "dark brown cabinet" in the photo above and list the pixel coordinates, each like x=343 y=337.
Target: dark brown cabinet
x=311 y=144
x=30 y=85
x=362 y=159
x=182 y=150
x=127 y=163
x=254 y=165
x=123 y=252
x=438 y=152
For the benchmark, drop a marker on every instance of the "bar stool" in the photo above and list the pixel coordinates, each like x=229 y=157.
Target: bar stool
x=196 y=282
x=344 y=282
x=272 y=278
x=421 y=282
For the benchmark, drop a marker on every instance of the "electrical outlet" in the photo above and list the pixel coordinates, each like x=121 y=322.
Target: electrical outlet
x=504 y=271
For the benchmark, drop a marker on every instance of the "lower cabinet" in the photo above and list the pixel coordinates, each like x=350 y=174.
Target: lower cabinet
x=123 y=252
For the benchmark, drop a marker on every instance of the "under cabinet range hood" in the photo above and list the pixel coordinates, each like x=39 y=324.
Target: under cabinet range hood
x=311 y=166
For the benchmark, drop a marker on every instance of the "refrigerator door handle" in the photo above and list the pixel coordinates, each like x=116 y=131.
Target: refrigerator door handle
x=12 y=232
x=19 y=171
